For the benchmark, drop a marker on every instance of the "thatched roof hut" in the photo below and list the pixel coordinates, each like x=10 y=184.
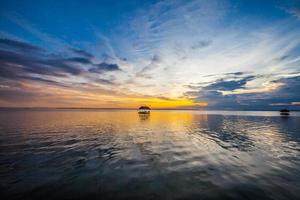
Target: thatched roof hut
x=144 y=108
x=284 y=112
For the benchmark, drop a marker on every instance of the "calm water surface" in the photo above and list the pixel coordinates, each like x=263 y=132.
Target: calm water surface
x=69 y=154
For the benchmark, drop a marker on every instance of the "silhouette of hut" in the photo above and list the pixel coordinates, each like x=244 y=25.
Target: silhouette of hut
x=284 y=112
x=144 y=110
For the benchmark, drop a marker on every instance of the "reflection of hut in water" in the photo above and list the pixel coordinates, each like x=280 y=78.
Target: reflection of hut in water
x=144 y=110
x=144 y=117
x=284 y=112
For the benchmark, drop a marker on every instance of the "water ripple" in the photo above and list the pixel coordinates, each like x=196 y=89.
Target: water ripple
x=167 y=155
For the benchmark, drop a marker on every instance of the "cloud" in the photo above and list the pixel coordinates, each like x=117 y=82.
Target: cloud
x=104 y=81
x=215 y=93
x=19 y=59
x=13 y=62
x=16 y=95
x=235 y=73
x=52 y=42
x=295 y=12
x=17 y=45
x=201 y=44
x=154 y=64
x=23 y=61
x=289 y=91
x=191 y=41
x=81 y=60
x=225 y=85
x=103 y=67
x=82 y=53
x=205 y=45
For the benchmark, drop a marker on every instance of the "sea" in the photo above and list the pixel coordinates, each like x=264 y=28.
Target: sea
x=167 y=154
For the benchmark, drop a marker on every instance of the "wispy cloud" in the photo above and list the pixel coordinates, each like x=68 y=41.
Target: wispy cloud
x=202 y=51
x=53 y=42
x=20 y=60
x=192 y=43
x=103 y=67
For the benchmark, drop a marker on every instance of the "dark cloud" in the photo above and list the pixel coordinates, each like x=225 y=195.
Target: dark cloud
x=286 y=94
x=102 y=67
x=295 y=12
x=236 y=73
x=60 y=65
x=155 y=59
x=216 y=99
x=17 y=45
x=82 y=53
x=291 y=7
x=20 y=60
x=201 y=44
x=47 y=81
x=14 y=63
x=14 y=91
x=154 y=63
x=146 y=76
x=283 y=57
x=80 y=60
x=228 y=85
x=107 y=57
x=104 y=81
x=16 y=95
x=289 y=92
x=212 y=93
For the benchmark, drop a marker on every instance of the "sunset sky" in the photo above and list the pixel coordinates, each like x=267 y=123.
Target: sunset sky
x=206 y=54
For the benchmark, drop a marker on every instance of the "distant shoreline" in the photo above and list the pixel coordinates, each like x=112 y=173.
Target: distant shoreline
x=167 y=109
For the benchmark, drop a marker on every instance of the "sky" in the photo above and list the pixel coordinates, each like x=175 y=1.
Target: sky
x=184 y=54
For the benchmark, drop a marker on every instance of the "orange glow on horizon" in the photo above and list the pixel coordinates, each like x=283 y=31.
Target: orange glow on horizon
x=163 y=103
x=58 y=97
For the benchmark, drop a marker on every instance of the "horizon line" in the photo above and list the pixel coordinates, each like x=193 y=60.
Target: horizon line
x=111 y=108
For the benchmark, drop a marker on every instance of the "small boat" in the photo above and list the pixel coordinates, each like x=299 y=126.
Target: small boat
x=144 y=110
x=284 y=112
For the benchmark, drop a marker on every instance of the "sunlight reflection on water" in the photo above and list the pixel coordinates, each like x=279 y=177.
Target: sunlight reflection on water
x=164 y=155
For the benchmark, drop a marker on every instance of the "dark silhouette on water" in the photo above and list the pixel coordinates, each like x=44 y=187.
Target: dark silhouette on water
x=144 y=117
x=144 y=110
x=284 y=112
